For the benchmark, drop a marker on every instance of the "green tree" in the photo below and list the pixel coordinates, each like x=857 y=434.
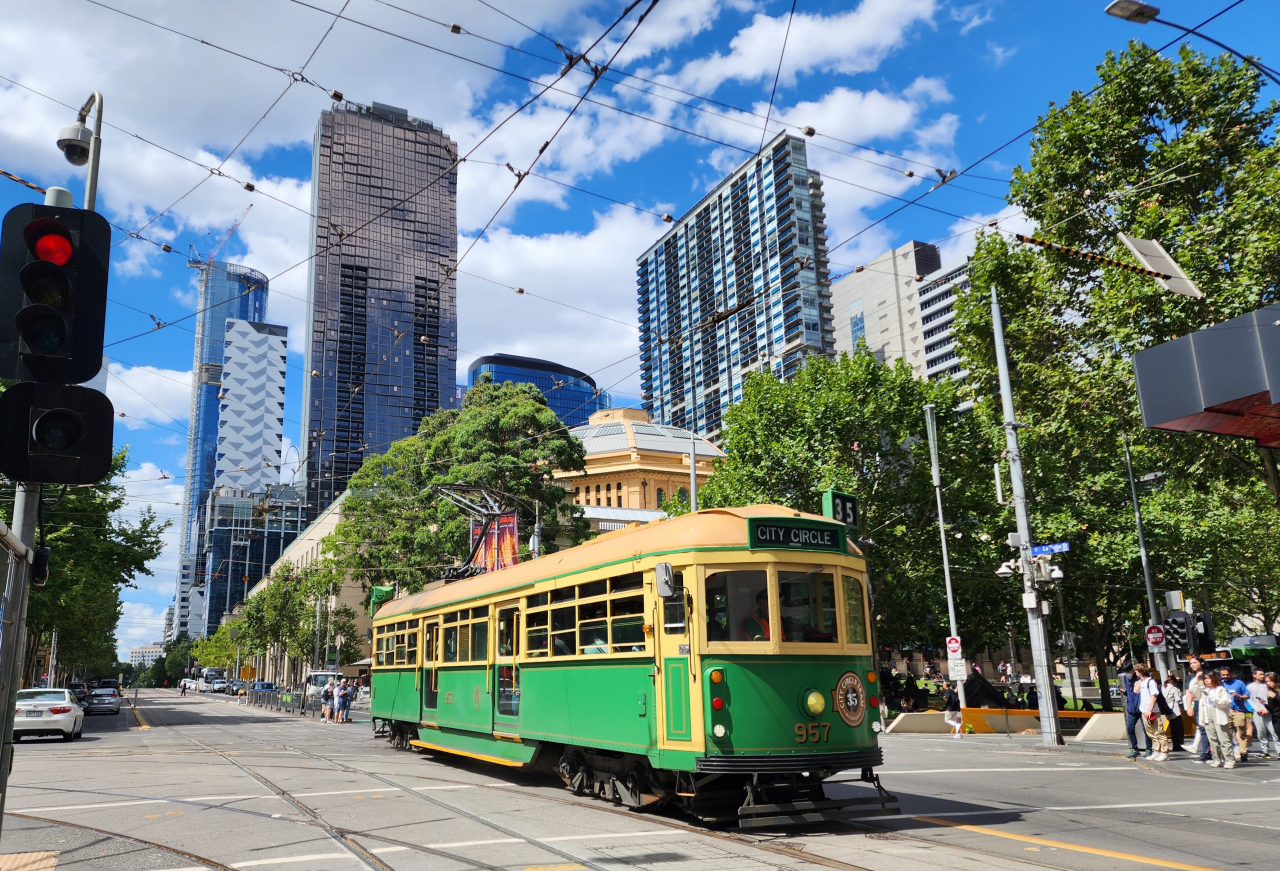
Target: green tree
x=1181 y=152
x=858 y=426
x=396 y=530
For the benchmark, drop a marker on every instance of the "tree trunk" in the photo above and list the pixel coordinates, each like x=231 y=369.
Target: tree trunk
x=1270 y=473
x=1098 y=644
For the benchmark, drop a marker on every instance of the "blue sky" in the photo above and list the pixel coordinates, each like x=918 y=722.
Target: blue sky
x=931 y=83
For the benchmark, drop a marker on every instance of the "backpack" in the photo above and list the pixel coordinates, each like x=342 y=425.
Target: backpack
x=1161 y=703
x=327 y=694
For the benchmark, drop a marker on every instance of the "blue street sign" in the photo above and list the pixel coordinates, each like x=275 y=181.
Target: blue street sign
x=1042 y=549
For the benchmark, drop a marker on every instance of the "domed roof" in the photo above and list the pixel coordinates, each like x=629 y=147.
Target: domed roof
x=624 y=429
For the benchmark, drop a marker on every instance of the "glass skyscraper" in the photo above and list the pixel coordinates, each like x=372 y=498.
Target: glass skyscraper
x=739 y=284
x=571 y=394
x=226 y=291
x=383 y=346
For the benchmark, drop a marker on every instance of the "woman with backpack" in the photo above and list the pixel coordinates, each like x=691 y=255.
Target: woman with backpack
x=1155 y=713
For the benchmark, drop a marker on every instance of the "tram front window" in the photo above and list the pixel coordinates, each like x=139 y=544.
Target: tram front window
x=738 y=606
x=808 y=605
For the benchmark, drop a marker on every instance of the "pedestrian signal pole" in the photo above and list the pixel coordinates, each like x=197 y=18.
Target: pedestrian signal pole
x=931 y=426
x=1050 y=733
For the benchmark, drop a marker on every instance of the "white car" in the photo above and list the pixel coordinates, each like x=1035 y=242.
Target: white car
x=103 y=701
x=47 y=712
x=218 y=686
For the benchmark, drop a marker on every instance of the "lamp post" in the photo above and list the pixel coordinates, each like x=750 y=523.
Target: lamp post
x=1138 y=12
x=1161 y=661
x=81 y=147
x=931 y=426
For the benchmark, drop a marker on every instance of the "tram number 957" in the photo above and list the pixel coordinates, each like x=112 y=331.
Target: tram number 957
x=812 y=733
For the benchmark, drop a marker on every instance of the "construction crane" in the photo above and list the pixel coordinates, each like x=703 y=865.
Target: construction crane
x=195 y=261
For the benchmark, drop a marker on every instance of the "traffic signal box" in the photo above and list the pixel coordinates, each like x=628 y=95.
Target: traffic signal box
x=1190 y=633
x=53 y=307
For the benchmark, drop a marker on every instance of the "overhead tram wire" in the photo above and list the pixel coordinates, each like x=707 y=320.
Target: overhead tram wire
x=764 y=131
x=1034 y=127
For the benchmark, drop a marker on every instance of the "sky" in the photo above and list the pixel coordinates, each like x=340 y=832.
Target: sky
x=889 y=86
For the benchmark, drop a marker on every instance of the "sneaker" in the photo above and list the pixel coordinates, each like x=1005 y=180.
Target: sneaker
x=1199 y=761
x=1133 y=754
x=1214 y=764
x=1230 y=764
x=1147 y=754
x=1159 y=757
x=1265 y=756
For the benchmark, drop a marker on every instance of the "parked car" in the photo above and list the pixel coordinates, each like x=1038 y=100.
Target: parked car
x=47 y=712
x=79 y=689
x=103 y=701
x=235 y=686
x=187 y=683
x=218 y=686
x=263 y=686
x=109 y=683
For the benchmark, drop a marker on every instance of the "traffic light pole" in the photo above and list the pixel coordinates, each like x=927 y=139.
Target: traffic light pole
x=931 y=427
x=1050 y=733
x=14 y=629
x=1162 y=662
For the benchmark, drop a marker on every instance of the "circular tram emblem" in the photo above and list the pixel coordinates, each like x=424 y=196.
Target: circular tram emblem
x=850 y=699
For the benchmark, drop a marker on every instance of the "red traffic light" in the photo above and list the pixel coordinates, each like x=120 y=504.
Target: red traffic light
x=49 y=240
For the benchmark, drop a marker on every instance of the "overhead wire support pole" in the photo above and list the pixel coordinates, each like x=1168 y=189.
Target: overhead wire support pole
x=1161 y=660
x=931 y=426
x=1050 y=732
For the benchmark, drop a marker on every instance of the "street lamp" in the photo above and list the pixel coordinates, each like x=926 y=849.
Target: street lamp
x=80 y=146
x=1144 y=13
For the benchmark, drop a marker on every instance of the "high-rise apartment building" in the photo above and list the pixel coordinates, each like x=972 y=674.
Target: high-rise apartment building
x=226 y=291
x=571 y=394
x=902 y=305
x=382 y=306
x=739 y=284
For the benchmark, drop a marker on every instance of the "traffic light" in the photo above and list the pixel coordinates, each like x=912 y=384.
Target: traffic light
x=53 y=276
x=1202 y=627
x=1178 y=630
x=53 y=306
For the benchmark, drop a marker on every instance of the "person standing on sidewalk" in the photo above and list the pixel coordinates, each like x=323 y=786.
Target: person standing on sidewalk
x=1131 y=710
x=1154 y=721
x=1264 y=728
x=1190 y=700
x=951 y=709
x=1239 y=712
x=1173 y=697
x=1214 y=716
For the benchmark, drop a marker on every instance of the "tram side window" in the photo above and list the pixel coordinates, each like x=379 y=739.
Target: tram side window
x=467 y=640
x=808 y=605
x=738 y=606
x=396 y=643
x=593 y=618
x=381 y=642
x=855 y=611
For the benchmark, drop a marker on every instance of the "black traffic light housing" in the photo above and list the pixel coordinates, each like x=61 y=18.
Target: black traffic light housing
x=1202 y=631
x=53 y=307
x=53 y=276
x=1178 y=630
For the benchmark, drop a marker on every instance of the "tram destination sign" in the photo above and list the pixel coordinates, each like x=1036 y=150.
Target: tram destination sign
x=784 y=533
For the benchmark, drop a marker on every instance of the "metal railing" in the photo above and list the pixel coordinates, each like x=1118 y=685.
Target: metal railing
x=296 y=701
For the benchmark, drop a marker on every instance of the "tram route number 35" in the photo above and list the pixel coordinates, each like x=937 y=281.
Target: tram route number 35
x=812 y=733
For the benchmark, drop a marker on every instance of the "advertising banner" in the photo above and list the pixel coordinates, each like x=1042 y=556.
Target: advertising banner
x=500 y=547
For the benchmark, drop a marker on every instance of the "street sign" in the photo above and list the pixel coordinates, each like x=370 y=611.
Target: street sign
x=957 y=669
x=1044 y=549
x=1155 y=638
x=953 y=646
x=842 y=507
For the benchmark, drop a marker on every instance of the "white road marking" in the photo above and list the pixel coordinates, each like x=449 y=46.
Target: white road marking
x=972 y=770
x=553 y=838
x=107 y=804
x=1094 y=807
x=290 y=859
x=347 y=791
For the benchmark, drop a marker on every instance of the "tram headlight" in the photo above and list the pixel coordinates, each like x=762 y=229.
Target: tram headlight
x=719 y=730
x=815 y=703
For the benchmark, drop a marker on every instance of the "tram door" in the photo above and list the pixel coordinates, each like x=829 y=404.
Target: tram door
x=429 y=679
x=679 y=717
x=506 y=709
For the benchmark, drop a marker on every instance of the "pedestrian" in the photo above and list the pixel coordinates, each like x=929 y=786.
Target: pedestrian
x=1154 y=720
x=1264 y=728
x=183 y=691
x=1131 y=710
x=1173 y=698
x=1239 y=712
x=1214 y=714
x=951 y=709
x=1190 y=700
x=326 y=702
x=1273 y=704
x=342 y=699
x=1003 y=670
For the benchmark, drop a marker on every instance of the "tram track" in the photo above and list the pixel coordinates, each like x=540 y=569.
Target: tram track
x=759 y=842
x=127 y=839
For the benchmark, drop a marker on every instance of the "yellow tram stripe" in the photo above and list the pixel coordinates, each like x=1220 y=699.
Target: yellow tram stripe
x=483 y=757
x=1063 y=845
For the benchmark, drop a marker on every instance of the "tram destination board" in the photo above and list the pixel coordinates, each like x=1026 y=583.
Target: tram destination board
x=785 y=533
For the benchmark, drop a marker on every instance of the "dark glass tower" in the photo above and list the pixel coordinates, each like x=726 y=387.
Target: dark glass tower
x=384 y=321
x=571 y=394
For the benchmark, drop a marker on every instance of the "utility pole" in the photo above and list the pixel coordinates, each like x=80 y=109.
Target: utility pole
x=1050 y=734
x=1162 y=662
x=315 y=659
x=53 y=661
x=931 y=426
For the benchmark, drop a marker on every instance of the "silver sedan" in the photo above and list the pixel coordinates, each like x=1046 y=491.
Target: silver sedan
x=47 y=712
x=103 y=701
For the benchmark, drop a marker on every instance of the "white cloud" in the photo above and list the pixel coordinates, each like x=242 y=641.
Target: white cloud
x=139 y=624
x=928 y=88
x=972 y=16
x=999 y=54
x=850 y=42
x=149 y=394
x=964 y=233
x=150 y=486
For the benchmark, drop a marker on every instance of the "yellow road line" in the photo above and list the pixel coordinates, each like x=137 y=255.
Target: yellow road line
x=142 y=721
x=1062 y=845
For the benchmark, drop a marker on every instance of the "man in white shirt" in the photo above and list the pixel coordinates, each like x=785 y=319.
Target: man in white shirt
x=1263 y=729
x=1155 y=723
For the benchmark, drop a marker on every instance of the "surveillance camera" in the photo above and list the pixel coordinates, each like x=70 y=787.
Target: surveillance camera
x=1055 y=574
x=1005 y=570
x=74 y=141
